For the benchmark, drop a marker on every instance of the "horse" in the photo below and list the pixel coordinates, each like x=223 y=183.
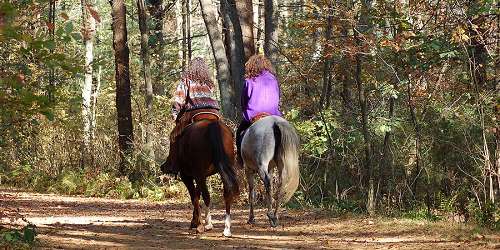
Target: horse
x=271 y=142
x=206 y=148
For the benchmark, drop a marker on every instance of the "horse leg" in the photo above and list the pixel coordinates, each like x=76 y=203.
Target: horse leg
x=195 y=200
x=228 y=200
x=251 y=195
x=266 y=178
x=277 y=195
x=206 y=198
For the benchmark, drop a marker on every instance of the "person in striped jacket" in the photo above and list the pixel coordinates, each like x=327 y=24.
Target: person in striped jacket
x=195 y=93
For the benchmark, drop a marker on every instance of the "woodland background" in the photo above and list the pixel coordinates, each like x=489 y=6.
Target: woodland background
x=396 y=101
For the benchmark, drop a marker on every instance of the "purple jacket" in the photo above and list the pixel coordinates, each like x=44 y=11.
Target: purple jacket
x=260 y=94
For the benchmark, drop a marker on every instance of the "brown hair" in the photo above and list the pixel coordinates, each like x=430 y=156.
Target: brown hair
x=256 y=64
x=197 y=71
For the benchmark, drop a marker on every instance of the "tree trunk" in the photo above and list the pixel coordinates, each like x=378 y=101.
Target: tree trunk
x=363 y=102
x=258 y=26
x=345 y=77
x=327 y=66
x=370 y=205
x=156 y=11
x=147 y=80
x=89 y=28
x=478 y=64
x=221 y=62
x=184 y=34
x=226 y=33
x=94 y=104
x=228 y=9
x=188 y=30
x=122 y=78
x=179 y=29
x=52 y=21
x=497 y=154
x=245 y=9
x=271 y=21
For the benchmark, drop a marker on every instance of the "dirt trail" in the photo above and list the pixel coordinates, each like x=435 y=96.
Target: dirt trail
x=78 y=222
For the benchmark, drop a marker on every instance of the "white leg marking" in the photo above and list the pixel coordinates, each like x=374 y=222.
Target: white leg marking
x=227 y=226
x=208 y=219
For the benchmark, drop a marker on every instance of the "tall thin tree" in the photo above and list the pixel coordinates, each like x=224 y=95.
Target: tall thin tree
x=328 y=59
x=237 y=52
x=89 y=28
x=245 y=10
x=361 y=29
x=122 y=79
x=148 y=86
x=221 y=62
x=271 y=27
x=157 y=12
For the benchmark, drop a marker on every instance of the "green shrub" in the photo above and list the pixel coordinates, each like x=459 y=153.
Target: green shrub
x=121 y=188
x=487 y=216
x=18 y=239
x=420 y=213
x=69 y=182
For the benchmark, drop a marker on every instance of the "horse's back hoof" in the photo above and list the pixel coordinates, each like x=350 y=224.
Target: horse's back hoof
x=200 y=229
x=273 y=222
x=251 y=221
x=227 y=233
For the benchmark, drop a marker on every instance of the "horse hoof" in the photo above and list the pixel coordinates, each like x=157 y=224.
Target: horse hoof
x=193 y=225
x=227 y=233
x=251 y=221
x=209 y=227
x=273 y=222
x=200 y=229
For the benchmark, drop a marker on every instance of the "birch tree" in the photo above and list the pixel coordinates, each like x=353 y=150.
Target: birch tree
x=89 y=30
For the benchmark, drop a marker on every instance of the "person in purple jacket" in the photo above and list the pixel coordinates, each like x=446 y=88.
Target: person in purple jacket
x=260 y=95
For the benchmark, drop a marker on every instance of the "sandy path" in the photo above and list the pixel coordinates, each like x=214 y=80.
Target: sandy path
x=78 y=222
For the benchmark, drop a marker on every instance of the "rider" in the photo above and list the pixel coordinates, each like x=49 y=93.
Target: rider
x=194 y=94
x=260 y=95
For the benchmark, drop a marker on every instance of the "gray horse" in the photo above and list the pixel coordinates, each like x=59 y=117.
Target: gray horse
x=271 y=143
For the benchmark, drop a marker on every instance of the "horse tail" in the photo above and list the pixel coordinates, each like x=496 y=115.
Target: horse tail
x=287 y=152
x=221 y=159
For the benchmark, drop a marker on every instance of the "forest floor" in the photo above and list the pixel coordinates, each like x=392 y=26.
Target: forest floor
x=79 y=222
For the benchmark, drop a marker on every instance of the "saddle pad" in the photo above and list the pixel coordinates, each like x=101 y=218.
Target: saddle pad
x=259 y=116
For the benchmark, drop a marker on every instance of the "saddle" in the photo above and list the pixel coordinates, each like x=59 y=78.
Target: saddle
x=259 y=116
x=205 y=115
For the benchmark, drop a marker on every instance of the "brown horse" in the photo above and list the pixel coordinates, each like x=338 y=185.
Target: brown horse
x=206 y=148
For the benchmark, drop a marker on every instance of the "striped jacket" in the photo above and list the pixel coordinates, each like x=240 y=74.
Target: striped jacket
x=201 y=96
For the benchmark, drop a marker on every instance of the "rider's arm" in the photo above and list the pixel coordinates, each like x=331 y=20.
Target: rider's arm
x=245 y=95
x=179 y=99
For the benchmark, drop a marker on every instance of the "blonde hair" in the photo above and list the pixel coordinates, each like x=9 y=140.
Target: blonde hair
x=197 y=71
x=256 y=64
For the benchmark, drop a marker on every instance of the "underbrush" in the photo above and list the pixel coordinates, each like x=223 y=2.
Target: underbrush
x=336 y=206
x=446 y=209
x=104 y=184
